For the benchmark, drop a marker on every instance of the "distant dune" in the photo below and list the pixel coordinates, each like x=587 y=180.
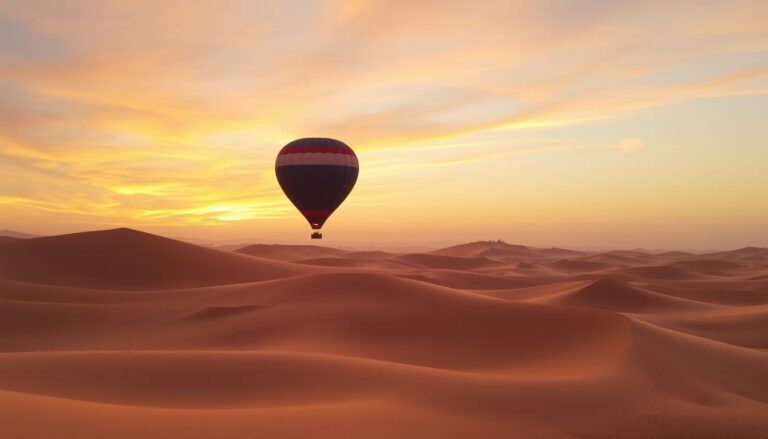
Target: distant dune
x=618 y=296
x=668 y=272
x=483 y=248
x=372 y=263
x=124 y=334
x=452 y=262
x=290 y=253
x=575 y=266
x=746 y=254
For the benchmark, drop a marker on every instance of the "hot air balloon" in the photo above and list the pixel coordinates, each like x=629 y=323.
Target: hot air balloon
x=316 y=174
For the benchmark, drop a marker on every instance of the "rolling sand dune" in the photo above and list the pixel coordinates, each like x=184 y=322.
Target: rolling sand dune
x=703 y=265
x=746 y=254
x=613 y=259
x=487 y=249
x=667 y=272
x=126 y=259
x=290 y=253
x=123 y=334
x=449 y=262
x=619 y=296
x=742 y=326
x=572 y=266
x=715 y=290
x=471 y=280
x=674 y=255
x=353 y=262
x=373 y=254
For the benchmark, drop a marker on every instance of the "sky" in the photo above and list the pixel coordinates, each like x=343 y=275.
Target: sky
x=569 y=123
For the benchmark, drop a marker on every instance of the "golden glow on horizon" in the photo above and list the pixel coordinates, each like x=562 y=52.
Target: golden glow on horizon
x=167 y=116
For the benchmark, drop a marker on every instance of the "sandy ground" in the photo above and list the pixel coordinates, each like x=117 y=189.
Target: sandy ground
x=123 y=334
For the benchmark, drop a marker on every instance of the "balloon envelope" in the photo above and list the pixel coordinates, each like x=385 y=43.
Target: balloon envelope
x=316 y=174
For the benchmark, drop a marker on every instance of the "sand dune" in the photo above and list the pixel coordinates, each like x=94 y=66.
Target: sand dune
x=619 y=296
x=472 y=280
x=711 y=267
x=125 y=259
x=730 y=292
x=449 y=262
x=125 y=334
x=707 y=265
x=575 y=266
x=675 y=255
x=353 y=262
x=742 y=326
x=746 y=254
x=485 y=249
x=290 y=253
x=701 y=370
x=373 y=254
x=668 y=272
x=506 y=252
x=614 y=259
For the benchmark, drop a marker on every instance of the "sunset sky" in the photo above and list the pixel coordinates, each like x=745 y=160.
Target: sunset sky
x=569 y=123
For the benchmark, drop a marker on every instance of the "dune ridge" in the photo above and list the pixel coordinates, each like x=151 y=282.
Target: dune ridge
x=129 y=259
x=125 y=334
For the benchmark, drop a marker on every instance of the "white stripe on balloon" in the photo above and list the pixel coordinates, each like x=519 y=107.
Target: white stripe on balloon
x=317 y=158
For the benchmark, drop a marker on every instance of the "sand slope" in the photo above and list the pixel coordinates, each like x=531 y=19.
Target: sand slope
x=124 y=334
x=125 y=259
x=290 y=253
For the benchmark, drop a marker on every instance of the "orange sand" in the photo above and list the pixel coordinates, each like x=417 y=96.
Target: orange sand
x=123 y=334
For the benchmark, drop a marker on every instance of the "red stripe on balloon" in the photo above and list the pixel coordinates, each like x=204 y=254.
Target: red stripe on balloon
x=321 y=149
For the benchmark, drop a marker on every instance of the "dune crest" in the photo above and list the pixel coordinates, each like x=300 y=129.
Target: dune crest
x=129 y=259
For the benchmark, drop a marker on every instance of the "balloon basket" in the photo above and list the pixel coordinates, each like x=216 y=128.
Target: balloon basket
x=317 y=235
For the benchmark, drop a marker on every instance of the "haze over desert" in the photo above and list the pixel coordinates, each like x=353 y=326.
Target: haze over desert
x=124 y=334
